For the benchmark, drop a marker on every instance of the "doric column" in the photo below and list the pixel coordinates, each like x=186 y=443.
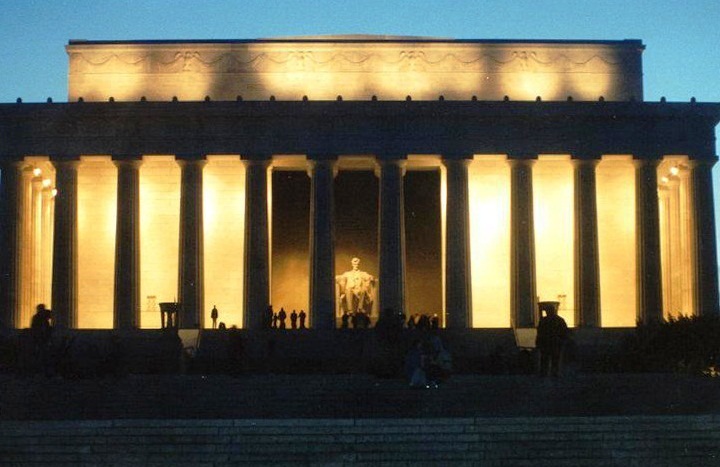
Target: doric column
x=706 y=269
x=127 y=245
x=523 y=295
x=647 y=227
x=322 y=244
x=391 y=239
x=458 y=297
x=587 y=270
x=191 y=286
x=257 y=261
x=65 y=246
x=9 y=253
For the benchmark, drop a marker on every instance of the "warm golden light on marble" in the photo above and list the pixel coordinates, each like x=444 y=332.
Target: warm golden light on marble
x=489 y=196
x=97 y=208
x=677 y=246
x=615 y=183
x=322 y=70
x=553 y=209
x=35 y=221
x=159 y=235
x=224 y=231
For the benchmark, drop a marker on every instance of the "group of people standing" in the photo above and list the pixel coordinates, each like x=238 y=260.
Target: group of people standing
x=427 y=363
x=423 y=321
x=278 y=320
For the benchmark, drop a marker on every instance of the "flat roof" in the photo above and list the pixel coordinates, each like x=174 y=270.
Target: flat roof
x=360 y=38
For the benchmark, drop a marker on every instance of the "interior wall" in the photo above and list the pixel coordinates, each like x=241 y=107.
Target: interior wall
x=224 y=235
x=159 y=230
x=553 y=210
x=97 y=206
x=615 y=183
x=489 y=196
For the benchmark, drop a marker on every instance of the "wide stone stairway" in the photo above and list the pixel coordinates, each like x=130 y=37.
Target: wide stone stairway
x=357 y=419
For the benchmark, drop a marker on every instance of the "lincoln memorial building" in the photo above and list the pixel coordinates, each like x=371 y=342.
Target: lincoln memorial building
x=468 y=179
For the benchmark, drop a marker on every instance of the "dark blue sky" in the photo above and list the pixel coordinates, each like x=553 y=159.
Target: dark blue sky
x=682 y=36
x=682 y=58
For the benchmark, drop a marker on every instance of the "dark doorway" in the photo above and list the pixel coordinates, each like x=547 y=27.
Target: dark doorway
x=290 y=231
x=423 y=242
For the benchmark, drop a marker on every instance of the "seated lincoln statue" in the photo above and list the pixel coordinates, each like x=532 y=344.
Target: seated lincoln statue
x=355 y=291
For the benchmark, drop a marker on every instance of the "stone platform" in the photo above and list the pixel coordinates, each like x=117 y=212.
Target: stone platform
x=580 y=419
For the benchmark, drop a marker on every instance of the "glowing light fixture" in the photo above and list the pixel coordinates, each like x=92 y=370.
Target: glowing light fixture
x=46 y=183
x=36 y=172
x=674 y=170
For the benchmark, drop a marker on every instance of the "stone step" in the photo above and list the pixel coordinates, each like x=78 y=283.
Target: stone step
x=662 y=440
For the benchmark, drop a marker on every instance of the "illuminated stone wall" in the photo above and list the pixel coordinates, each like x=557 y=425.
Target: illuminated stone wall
x=97 y=206
x=615 y=183
x=159 y=224
x=489 y=194
x=553 y=208
x=356 y=68
x=36 y=224
x=224 y=232
x=677 y=246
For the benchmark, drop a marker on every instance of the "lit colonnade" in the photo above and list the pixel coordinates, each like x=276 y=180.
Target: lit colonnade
x=527 y=231
x=35 y=208
x=124 y=255
x=556 y=228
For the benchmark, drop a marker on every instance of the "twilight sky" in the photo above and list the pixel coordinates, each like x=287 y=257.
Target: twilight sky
x=682 y=58
x=682 y=36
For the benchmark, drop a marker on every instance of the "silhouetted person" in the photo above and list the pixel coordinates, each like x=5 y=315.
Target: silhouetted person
x=552 y=333
x=41 y=331
x=222 y=326
x=293 y=319
x=281 y=318
x=269 y=318
x=414 y=366
x=302 y=317
x=435 y=321
x=214 y=316
x=274 y=321
x=344 y=320
x=411 y=322
x=423 y=322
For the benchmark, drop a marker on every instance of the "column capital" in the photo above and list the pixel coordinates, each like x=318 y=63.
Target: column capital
x=127 y=163
x=389 y=158
x=65 y=163
x=328 y=162
x=386 y=162
x=10 y=162
x=61 y=157
x=521 y=162
x=585 y=161
x=322 y=157
x=126 y=157
x=462 y=160
x=702 y=162
x=256 y=162
x=521 y=156
x=646 y=160
x=190 y=160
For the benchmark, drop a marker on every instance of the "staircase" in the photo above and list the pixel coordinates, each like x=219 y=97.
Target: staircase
x=522 y=441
